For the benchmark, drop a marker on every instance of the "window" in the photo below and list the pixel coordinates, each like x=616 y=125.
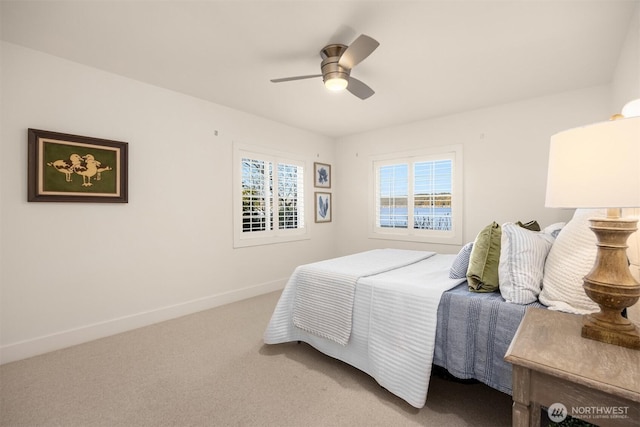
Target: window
x=268 y=198
x=418 y=196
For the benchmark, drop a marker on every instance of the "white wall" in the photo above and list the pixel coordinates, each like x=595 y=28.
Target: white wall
x=505 y=157
x=505 y=163
x=626 y=80
x=626 y=87
x=72 y=272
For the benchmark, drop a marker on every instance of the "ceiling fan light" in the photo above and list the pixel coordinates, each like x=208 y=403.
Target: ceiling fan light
x=336 y=84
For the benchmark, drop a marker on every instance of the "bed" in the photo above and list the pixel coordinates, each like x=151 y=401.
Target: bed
x=403 y=312
x=393 y=330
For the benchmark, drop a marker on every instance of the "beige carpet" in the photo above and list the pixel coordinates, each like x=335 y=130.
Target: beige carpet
x=212 y=369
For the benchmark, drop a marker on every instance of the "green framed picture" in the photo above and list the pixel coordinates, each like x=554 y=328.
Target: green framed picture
x=73 y=168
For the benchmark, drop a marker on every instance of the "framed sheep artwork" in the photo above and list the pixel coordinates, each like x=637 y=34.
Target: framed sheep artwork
x=73 y=168
x=323 y=207
x=322 y=173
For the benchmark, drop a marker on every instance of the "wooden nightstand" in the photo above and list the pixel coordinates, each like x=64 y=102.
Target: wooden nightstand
x=554 y=365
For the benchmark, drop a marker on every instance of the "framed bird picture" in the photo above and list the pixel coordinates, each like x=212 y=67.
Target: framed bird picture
x=322 y=173
x=73 y=168
x=323 y=207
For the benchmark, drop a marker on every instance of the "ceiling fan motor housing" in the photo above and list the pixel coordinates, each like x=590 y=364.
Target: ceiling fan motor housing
x=330 y=68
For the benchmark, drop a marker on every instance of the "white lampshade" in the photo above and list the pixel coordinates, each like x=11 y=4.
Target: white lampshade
x=595 y=166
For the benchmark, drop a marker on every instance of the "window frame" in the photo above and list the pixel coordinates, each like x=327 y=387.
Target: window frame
x=275 y=234
x=449 y=152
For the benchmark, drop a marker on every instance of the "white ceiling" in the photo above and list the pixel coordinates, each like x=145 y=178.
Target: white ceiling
x=435 y=57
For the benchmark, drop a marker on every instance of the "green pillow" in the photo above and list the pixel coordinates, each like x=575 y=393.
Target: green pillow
x=482 y=274
x=531 y=225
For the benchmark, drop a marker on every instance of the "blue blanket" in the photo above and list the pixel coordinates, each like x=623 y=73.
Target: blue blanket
x=473 y=333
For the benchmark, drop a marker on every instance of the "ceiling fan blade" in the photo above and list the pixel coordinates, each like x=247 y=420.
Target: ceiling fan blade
x=359 y=89
x=288 y=79
x=361 y=47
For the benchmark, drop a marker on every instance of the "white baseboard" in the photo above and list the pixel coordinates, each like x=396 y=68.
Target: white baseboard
x=59 y=340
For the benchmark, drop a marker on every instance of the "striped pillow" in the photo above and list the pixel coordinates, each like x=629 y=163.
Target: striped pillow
x=461 y=263
x=521 y=268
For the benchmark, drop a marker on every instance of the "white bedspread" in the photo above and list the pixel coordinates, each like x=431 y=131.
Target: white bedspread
x=394 y=325
x=325 y=289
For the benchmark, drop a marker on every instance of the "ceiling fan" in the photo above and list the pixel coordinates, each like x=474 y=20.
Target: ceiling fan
x=337 y=62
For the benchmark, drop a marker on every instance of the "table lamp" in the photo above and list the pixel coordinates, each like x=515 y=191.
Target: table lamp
x=598 y=166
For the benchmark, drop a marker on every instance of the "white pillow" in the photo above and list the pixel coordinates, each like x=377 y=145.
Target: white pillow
x=522 y=256
x=570 y=259
x=554 y=229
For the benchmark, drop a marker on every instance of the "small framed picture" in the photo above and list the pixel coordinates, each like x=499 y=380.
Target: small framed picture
x=322 y=175
x=72 y=168
x=323 y=207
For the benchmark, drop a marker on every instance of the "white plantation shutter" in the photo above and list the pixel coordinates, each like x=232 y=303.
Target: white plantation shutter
x=256 y=195
x=268 y=198
x=392 y=198
x=290 y=196
x=418 y=197
x=432 y=184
